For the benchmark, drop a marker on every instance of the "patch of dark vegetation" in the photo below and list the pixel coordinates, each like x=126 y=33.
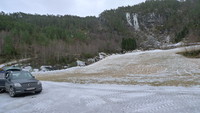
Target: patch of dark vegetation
x=191 y=54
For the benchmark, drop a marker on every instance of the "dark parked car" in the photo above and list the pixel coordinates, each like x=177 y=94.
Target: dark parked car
x=19 y=82
x=3 y=72
x=2 y=81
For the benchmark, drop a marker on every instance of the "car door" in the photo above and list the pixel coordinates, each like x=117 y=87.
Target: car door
x=7 y=81
x=2 y=80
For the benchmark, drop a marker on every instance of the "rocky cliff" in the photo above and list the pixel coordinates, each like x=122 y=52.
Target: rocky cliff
x=156 y=23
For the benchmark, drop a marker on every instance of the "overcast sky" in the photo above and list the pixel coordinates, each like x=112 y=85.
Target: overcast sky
x=63 y=7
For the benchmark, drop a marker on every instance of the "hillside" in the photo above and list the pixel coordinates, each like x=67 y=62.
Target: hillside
x=154 y=67
x=63 y=39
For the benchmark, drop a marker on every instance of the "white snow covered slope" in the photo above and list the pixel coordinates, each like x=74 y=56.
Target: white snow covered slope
x=13 y=62
x=91 y=98
x=155 y=67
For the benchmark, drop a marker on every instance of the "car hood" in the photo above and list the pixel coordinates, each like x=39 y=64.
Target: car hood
x=24 y=80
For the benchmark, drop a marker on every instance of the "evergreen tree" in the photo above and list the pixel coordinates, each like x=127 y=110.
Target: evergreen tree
x=128 y=44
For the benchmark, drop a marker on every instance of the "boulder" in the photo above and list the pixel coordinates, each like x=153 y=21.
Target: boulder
x=90 y=61
x=65 y=67
x=102 y=55
x=46 y=68
x=35 y=70
x=80 y=63
x=27 y=68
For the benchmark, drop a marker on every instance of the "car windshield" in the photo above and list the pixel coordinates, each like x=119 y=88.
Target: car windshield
x=21 y=75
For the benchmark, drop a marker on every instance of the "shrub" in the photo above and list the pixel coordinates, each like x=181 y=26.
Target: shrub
x=192 y=54
x=128 y=44
x=179 y=37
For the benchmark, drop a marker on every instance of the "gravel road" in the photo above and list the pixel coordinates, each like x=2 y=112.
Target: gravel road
x=93 y=98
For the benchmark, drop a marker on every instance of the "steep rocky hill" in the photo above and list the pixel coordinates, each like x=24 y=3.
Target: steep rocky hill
x=63 y=39
x=157 y=22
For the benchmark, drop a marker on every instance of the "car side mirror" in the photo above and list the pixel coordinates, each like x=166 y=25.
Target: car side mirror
x=33 y=76
x=6 y=76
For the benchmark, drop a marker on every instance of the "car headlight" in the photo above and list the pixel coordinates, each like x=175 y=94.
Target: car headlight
x=39 y=83
x=17 y=85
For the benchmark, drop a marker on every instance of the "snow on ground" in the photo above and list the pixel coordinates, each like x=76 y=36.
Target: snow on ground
x=162 y=67
x=14 y=62
x=141 y=58
x=93 y=98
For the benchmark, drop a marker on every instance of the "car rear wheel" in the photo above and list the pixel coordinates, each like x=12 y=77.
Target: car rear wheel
x=11 y=92
x=2 y=90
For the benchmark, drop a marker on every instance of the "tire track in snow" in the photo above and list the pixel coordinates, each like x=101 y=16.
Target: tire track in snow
x=77 y=98
x=158 y=103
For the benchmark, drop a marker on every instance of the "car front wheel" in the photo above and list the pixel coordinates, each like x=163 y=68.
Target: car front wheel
x=37 y=92
x=11 y=92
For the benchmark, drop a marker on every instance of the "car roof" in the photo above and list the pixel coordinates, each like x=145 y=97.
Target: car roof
x=12 y=68
x=19 y=72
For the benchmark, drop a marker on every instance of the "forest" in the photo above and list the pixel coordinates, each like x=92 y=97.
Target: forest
x=61 y=39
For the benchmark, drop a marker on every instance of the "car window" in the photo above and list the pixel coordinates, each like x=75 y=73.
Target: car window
x=21 y=75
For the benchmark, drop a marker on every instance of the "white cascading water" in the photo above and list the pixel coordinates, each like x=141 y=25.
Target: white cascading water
x=128 y=18
x=135 y=22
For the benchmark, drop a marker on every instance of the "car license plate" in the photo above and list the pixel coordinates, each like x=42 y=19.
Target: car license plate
x=32 y=88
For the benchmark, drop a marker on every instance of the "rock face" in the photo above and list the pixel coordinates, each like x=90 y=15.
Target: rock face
x=145 y=26
x=167 y=21
x=151 y=42
x=147 y=21
x=132 y=20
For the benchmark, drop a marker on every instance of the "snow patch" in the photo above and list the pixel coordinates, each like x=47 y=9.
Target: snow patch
x=80 y=63
x=27 y=68
x=14 y=62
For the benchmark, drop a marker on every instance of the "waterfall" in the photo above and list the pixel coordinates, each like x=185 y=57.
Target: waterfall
x=135 y=22
x=128 y=18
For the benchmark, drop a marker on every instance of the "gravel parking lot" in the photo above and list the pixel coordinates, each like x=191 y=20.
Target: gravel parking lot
x=93 y=98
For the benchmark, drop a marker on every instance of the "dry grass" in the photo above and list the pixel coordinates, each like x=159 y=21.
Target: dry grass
x=99 y=78
x=191 y=52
